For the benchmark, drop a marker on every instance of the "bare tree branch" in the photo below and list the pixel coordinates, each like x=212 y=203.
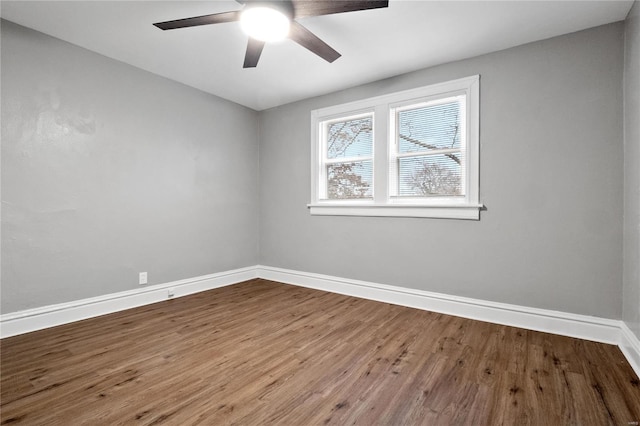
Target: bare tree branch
x=428 y=146
x=347 y=139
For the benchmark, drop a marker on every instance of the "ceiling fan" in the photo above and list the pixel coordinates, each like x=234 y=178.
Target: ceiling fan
x=266 y=21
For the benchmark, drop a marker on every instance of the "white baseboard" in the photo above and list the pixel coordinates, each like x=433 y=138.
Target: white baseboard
x=15 y=323
x=573 y=325
x=630 y=347
x=566 y=324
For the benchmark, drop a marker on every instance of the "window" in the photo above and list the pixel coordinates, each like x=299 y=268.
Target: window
x=413 y=154
x=348 y=164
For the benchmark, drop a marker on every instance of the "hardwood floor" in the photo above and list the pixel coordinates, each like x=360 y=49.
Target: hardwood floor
x=268 y=353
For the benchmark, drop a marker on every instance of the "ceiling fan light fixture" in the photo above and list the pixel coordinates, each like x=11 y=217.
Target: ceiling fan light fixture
x=265 y=23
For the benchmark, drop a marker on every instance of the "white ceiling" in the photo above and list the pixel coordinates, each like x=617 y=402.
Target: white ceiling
x=375 y=44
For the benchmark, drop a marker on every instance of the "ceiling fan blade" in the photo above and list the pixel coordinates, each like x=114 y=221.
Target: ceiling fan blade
x=254 y=50
x=304 y=8
x=306 y=38
x=216 y=18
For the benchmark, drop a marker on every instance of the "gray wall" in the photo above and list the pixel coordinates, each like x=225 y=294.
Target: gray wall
x=631 y=291
x=551 y=178
x=108 y=171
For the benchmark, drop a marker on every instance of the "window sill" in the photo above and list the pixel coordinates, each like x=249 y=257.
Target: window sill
x=467 y=211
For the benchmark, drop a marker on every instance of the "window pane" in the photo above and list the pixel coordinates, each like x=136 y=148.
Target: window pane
x=433 y=175
x=350 y=180
x=350 y=138
x=429 y=127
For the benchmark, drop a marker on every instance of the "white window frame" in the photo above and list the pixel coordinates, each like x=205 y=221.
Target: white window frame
x=383 y=109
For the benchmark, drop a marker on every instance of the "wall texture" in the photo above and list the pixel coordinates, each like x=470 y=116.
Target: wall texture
x=108 y=171
x=631 y=291
x=551 y=179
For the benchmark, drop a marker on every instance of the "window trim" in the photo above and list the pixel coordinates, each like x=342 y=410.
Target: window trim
x=382 y=204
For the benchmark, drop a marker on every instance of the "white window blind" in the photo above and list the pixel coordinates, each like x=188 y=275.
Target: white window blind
x=428 y=158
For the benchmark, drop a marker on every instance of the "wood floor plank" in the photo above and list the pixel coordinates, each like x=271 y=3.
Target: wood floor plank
x=262 y=352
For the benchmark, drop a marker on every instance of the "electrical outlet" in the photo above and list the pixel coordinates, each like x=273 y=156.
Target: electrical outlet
x=142 y=278
x=170 y=293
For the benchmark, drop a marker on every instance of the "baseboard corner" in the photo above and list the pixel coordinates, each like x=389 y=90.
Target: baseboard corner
x=630 y=347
